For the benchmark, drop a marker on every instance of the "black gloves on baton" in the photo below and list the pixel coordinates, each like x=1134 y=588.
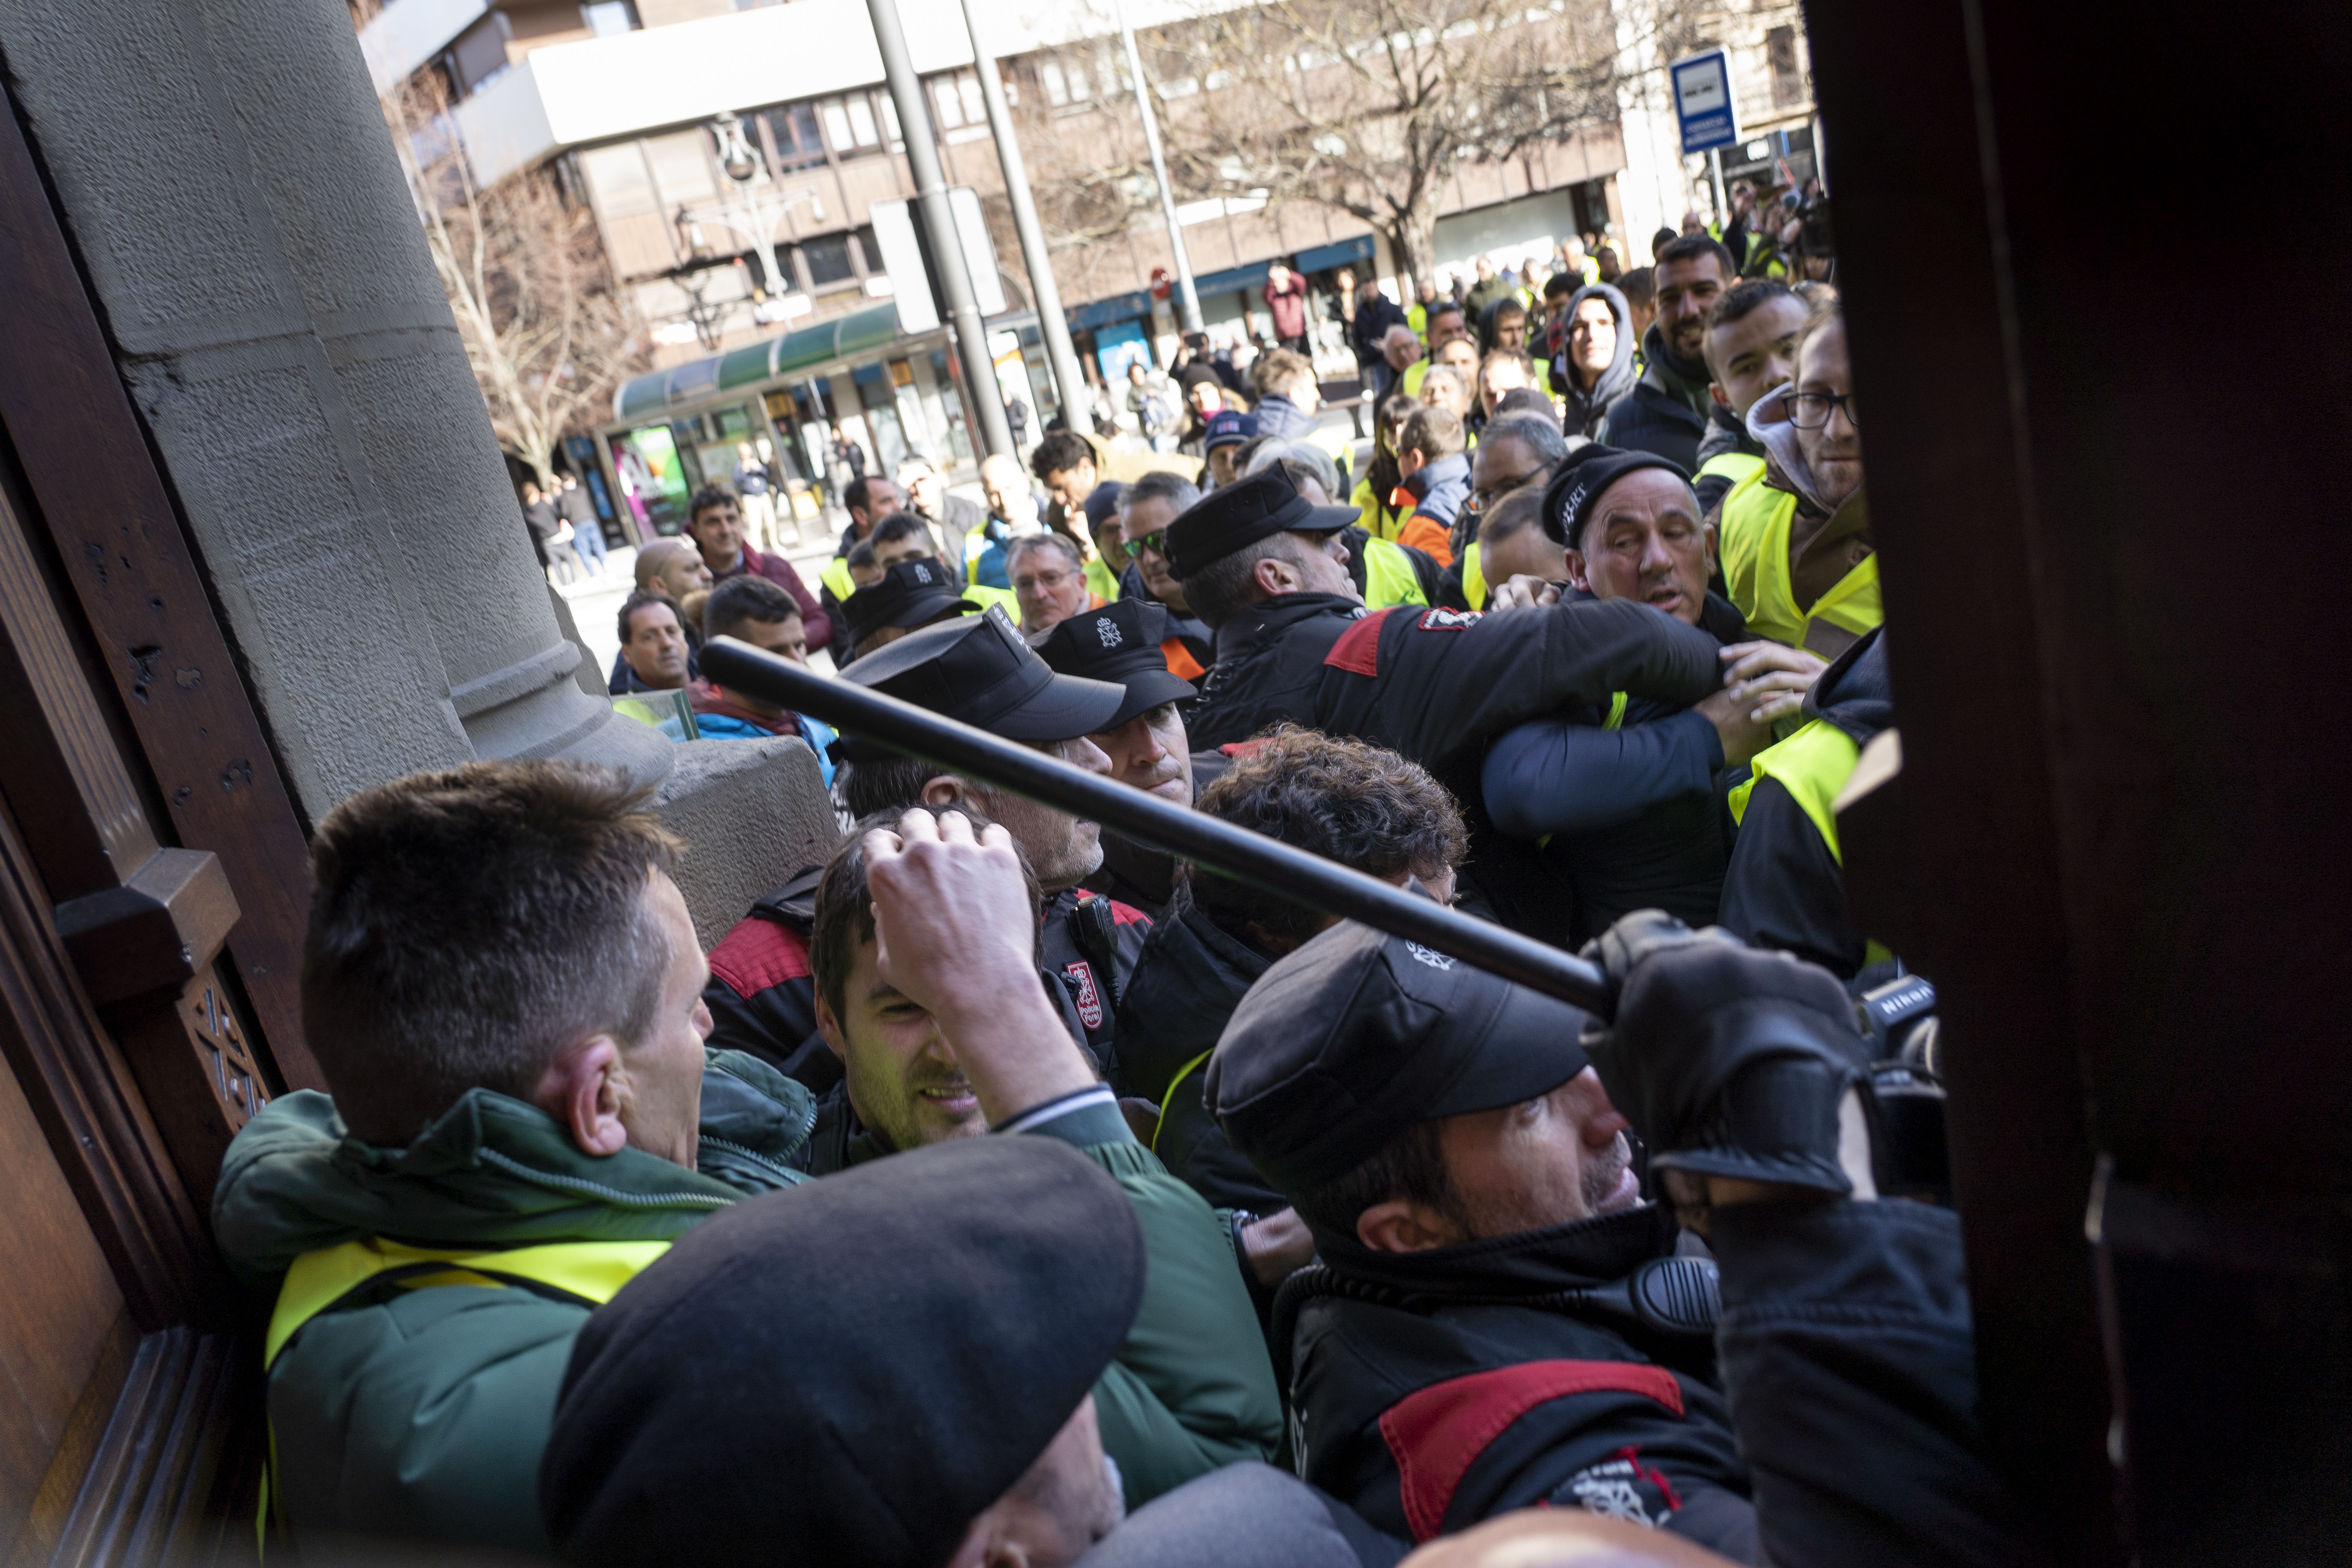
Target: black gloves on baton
x=1729 y=1061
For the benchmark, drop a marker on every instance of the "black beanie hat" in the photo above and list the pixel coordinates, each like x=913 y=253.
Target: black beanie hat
x=1582 y=475
x=847 y=1372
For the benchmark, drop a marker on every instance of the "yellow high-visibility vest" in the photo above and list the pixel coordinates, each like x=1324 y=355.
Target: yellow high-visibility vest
x=1813 y=765
x=1754 y=542
x=589 y=1272
x=1389 y=576
x=1736 y=466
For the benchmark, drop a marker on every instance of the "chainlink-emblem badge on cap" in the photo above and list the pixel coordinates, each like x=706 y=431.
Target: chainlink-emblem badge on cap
x=922 y=573
x=1434 y=960
x=1108 y=629
x=1090 y=1011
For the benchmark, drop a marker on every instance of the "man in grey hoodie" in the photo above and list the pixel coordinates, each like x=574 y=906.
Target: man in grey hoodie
x=1592 y=363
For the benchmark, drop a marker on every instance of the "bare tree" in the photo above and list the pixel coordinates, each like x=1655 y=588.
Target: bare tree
x=547 y=329
x=1365 y=105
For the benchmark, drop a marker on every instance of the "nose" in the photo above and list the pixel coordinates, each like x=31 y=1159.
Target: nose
x=1656 y=557
x=1082 y=752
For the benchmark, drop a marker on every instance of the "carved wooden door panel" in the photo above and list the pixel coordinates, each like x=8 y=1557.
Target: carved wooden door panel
x=152 y=893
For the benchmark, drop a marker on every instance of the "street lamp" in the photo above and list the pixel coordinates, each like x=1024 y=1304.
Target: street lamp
x=735 y=155
x=741 y=162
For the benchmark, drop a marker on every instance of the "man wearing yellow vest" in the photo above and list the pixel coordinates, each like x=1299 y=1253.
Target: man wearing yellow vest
x=1751 y=348
x=1797 y=552
x=1785 y=888
x=503 y=987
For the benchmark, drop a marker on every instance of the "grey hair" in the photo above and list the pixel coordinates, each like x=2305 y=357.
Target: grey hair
x=1538 y=434
x=1159 y=485
x=1313 y=457
x=1046 y=540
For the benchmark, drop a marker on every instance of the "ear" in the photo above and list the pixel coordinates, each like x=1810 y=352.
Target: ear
x=1706 y=531
x=1577 y=578
x=828 y=1028
x=581 y=1089
x=1274 y=577
x=945 y=789
x=1716 y=393
x=1402 y=1226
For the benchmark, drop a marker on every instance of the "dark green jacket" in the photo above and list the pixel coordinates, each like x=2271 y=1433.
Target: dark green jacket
x=422 y=1413
x=1192 y=1389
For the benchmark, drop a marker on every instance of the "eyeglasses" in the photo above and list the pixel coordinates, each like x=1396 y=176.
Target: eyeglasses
x=1156 y=542
x=1049 y=581
x=1811 y=410
x=1481 y=500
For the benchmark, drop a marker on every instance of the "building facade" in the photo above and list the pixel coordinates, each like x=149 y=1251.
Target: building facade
x=734 y=159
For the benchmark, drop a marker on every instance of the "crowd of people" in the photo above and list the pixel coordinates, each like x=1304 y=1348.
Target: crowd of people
x=1004 y=1191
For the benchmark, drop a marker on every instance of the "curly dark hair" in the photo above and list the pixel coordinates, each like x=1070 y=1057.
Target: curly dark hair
x=1058 y=454
x=1360 y=806
x=704 y=499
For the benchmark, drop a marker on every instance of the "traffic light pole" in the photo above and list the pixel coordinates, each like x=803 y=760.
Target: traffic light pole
x=1069 y=380
x=980 y=390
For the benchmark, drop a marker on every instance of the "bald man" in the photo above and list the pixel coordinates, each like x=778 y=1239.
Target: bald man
x=673 y=565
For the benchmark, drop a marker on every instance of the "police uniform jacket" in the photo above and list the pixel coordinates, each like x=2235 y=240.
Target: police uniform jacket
x=1435 y=685
x=1430 y=1391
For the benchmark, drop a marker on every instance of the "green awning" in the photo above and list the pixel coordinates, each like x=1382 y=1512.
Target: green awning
x=860 y=331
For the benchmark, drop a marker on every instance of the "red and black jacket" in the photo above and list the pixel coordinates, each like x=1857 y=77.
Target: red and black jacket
x=1090 y=945
x=1433 y=1390
x=761 y=995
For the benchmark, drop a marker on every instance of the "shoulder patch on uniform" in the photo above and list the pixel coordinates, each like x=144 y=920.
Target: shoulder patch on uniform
x=1450 y=620
x=1358 y=651
x=759 y=953
x=1437 y=1434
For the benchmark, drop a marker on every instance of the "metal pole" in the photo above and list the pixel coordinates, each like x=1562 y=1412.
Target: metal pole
x=939 y=225
x=1069 y=381
x=1216 y=846
x=1188 y=299
x=1715 y=172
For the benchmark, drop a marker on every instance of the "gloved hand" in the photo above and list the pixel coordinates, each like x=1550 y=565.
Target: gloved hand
x=1729 y=1061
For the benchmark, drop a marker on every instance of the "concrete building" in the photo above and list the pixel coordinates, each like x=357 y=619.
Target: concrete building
x=617 y=99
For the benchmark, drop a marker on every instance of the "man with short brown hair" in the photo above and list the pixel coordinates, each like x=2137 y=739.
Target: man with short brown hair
x=502 y=985
x=715 y=522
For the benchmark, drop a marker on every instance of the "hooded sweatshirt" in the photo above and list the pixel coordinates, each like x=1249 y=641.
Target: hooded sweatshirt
x=1666 y=413
x=1586 y=410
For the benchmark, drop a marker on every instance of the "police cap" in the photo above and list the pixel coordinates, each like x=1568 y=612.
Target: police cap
x=1235 y=516
x=910 y=593
x=977 y=668
x=1118 y=642
x=1355 y=1037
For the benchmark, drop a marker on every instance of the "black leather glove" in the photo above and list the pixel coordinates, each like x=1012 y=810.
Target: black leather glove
x=1728 y=1060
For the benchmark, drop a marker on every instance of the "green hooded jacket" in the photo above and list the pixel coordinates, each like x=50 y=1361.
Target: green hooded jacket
x=422 y=1413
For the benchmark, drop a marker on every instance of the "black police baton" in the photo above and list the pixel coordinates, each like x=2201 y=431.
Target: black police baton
x=1264 y=863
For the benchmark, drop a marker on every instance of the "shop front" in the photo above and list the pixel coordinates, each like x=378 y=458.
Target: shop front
x=802 y=401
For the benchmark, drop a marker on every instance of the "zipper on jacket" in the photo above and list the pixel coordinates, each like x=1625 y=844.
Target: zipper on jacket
x=599 y=1189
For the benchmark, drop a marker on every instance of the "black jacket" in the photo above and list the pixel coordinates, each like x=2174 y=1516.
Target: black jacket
x=1843 y=1351
x=1666 y=412
x=1629 y=819
x=1784 y=889
x=1430 y=1391
x=1192 y=975
x=1089 y=947
x=1436 y=685
x=1371 y=324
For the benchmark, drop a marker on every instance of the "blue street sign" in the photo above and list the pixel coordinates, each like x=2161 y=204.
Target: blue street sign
x=1703 y=102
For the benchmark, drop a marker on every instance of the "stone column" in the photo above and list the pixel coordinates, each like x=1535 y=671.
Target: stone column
x=227 y=176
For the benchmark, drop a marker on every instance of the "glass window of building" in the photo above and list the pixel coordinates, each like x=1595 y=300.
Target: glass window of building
x=799 y=144
x=861 y=122
x=836 y=116
x=827 y=260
